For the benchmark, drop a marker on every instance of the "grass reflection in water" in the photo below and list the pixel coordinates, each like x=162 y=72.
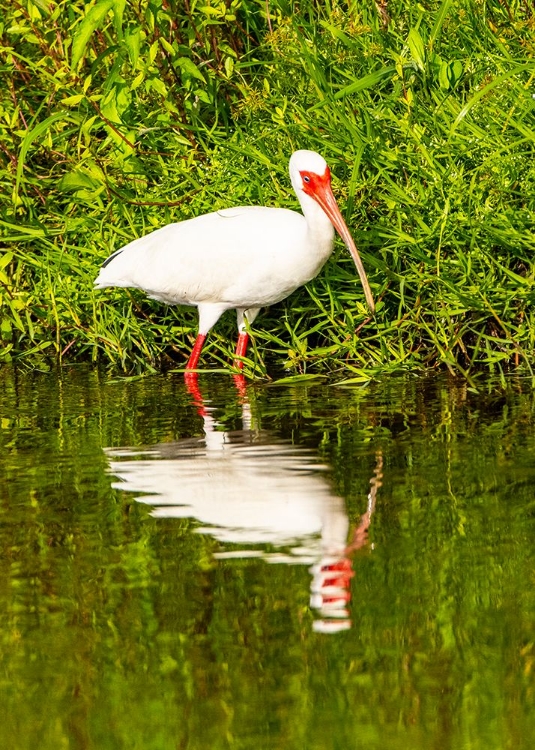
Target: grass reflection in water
x=122 y=626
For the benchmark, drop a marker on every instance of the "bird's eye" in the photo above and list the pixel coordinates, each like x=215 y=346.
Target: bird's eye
x=306 y=179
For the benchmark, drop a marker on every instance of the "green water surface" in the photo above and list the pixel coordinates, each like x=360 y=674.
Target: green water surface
x=161 y=552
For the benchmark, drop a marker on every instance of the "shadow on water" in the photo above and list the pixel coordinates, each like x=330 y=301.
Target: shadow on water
x=230 y=565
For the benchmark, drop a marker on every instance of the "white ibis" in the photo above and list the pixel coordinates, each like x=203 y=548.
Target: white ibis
x=240 y=258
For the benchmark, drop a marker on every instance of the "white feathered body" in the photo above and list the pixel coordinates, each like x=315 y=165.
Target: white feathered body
x=243 y=258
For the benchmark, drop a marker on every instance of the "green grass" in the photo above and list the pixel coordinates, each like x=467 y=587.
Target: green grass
x=118 y=118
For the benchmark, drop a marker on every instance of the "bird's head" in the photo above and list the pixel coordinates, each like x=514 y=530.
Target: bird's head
x=309 y=173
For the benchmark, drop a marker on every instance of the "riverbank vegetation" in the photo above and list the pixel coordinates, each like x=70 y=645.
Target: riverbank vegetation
x=118 y=117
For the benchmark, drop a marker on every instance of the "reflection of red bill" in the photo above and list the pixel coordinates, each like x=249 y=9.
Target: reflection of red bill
x=330 y=594
x=332 y=575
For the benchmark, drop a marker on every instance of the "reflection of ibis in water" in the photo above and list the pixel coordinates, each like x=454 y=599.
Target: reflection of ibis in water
x=250 y=489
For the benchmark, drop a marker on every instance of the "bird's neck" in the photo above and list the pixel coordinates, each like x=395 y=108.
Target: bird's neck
x=320 y=229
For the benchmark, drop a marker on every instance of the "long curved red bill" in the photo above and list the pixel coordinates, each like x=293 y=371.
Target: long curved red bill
x=319 y=188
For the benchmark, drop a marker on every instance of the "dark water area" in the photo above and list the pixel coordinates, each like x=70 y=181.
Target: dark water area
x=233 y=565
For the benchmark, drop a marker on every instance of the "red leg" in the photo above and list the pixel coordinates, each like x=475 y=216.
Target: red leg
x=241 y=349
x=196 y=352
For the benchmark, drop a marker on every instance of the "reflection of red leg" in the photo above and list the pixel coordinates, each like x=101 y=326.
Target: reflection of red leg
x=241 y=349
x=191 y=379
x=196 y=352
x=241 y=387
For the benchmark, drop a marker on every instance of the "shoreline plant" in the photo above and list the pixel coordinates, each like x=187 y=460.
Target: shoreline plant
x=118 y=117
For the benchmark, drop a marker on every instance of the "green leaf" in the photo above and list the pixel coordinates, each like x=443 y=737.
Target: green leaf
x=338 y=34
x=70 y=101
x=366 y=82
x=158 y=85
x=297 y=379
x=167 y=47
x=189 y=69
x=439 y=21
x=30 y=137
x=90 y=23
x=111 y=112
x=209 y=11
x=132 y=40
x=443 y=75
x=417 y=48
x=229 y=66
x=118 y=11
x=202 y=95
x=78 y=180
x=5 y=259
x=456 y=70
